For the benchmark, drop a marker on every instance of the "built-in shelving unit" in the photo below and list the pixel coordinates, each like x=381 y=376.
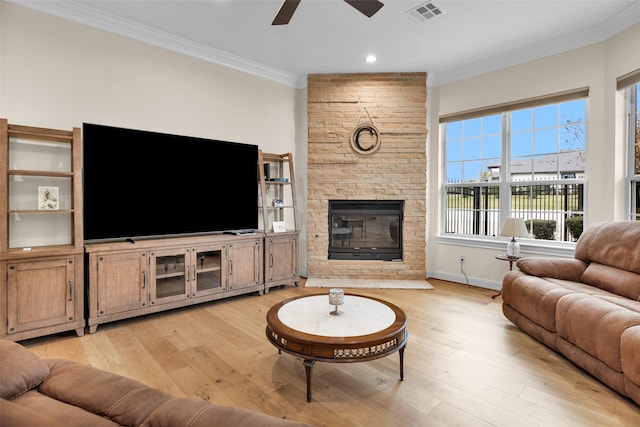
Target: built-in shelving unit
x=41 y=243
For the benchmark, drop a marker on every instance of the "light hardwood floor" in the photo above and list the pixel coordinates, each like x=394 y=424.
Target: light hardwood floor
x=465 y=365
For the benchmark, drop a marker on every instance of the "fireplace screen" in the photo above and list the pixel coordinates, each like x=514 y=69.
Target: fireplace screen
x=365 y=229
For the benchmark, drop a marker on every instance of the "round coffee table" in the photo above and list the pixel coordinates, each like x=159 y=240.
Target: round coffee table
x=367 y=329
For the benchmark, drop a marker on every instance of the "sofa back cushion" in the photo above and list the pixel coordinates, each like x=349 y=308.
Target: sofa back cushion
x=615 y=244
x=20 y=370
x=620 y=282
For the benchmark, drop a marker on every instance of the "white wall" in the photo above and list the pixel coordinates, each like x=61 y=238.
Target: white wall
x=595 y=66
x=59 y=74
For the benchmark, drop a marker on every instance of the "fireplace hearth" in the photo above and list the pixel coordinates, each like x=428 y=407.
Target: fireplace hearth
x=365 y=229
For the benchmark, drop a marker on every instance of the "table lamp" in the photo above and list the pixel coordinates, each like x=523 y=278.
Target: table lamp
x=514 y=227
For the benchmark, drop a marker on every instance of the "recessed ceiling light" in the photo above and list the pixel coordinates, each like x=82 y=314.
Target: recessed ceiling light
x=371 y=58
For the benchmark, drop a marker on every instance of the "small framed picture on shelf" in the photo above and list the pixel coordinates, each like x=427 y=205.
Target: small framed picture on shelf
x=48 y=198
x=278 y=203
x=278 y=227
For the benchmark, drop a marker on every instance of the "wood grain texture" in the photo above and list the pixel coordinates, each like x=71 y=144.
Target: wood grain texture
x=465 y=365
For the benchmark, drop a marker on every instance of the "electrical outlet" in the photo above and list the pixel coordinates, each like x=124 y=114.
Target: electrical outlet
x=462 y=259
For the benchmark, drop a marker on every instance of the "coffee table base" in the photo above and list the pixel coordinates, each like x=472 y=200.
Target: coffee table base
x=308 y=367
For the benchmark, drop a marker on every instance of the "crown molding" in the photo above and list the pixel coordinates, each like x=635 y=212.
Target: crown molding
x=87 y=16
x=608 y=29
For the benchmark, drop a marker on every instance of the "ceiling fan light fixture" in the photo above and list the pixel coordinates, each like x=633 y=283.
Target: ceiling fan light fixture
x=367 y=7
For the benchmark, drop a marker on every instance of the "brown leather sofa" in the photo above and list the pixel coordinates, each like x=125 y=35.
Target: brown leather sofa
x=58 y=392
x=586 y=308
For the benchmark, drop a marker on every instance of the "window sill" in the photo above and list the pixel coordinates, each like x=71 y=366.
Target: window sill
x=528 y=246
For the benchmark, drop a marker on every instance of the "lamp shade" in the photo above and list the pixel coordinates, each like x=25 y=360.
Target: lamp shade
x=514 y=227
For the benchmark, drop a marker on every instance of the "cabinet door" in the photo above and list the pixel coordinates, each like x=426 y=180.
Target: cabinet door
x=122 y=282
x=245 y=266
x=168 y=275
x=209 y=270
x=40 y=293
x=281 y=260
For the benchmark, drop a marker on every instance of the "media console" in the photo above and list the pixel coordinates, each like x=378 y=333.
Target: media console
x=128 y=279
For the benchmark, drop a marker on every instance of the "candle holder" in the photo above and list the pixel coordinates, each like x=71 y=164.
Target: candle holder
x=336 y=298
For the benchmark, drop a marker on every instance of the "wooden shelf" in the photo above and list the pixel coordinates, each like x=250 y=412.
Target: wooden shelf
x=281 y=248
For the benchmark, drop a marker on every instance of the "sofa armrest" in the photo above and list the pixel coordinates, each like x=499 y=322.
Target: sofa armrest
x=557 y=268
x=122 y=400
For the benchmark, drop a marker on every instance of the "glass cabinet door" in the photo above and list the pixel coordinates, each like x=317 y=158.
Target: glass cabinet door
x=210 y=270
x=170 y=269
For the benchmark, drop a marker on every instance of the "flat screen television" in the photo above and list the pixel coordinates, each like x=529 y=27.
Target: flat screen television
x=141 y=184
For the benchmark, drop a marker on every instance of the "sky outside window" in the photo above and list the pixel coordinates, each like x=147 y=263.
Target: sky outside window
x=538 y=136
x=473 y=146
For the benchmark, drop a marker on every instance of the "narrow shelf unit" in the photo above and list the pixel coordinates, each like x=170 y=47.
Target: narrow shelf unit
x=278 y=209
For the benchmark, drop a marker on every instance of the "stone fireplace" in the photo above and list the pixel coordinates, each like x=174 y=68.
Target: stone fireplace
x=340 y=175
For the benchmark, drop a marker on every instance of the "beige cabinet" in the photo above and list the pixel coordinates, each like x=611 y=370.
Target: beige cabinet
x=42 y=297
x=169 y=273
x=245 y=264
x=281 y=259
x=123 y=283
x=41 y=267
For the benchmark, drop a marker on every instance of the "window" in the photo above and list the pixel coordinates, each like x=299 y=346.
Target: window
x=525 y=160
x=634 y=151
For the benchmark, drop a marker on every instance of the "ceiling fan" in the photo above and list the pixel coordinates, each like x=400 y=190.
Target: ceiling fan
x=366 y=7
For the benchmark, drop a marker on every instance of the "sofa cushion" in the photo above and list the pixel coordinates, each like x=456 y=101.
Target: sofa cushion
x=20 y=370
x=595 y=325
x=620 y=282
x=12 y=414
x=534 y=297
x=616 y=244
x=630 y=354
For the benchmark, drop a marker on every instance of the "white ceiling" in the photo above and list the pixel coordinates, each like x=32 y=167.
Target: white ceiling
x=469 y=38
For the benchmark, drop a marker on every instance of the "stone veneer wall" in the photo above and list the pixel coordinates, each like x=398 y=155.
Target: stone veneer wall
x=396 y=103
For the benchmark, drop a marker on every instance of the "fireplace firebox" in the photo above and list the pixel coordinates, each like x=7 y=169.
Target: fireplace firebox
x=365 y=229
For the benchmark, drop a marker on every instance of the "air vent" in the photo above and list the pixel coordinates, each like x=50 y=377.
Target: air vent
x=425 y=11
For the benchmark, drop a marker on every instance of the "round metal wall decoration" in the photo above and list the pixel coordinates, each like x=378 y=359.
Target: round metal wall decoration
x=365 y=138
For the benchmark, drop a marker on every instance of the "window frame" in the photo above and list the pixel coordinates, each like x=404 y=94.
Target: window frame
x=546 y=247
x=632 y=105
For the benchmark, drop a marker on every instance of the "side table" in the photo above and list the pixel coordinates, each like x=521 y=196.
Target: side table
x=511 y=260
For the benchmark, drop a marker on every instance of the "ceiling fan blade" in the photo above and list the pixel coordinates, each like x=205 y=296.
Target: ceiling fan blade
x=286 y=12
x=367 y=7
